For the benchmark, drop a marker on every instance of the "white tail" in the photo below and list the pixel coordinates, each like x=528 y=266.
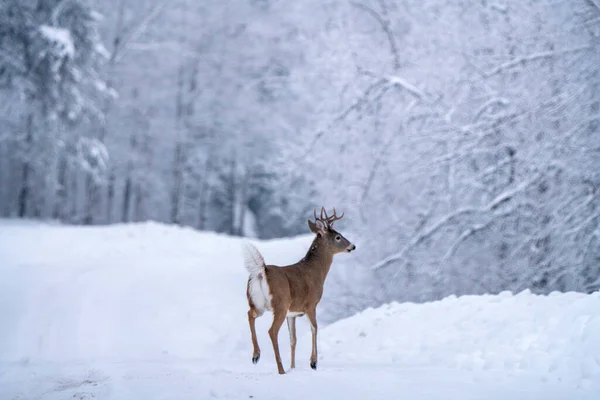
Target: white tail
x=258 y=288
x=253 y=260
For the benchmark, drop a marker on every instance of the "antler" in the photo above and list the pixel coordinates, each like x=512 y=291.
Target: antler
x=334 y=217
x=328 y=220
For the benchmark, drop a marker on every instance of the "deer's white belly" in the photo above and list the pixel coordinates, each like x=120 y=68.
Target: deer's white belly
x=294 y=314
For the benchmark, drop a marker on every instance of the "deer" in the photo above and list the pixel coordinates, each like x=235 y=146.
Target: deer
x=294 y=290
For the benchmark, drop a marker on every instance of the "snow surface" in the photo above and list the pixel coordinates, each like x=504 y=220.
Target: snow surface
x=148 y=311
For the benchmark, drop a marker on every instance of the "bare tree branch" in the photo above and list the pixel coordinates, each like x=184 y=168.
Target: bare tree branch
x=490 y=206
x=382 y=154
x=10 y=60
x=57 y=10
x=138 y=30
x=594 y=4
x=531 y=57
x=397 y=81
x=385 y=25
x=470 y=231
x=357 y=104
x=496 y=100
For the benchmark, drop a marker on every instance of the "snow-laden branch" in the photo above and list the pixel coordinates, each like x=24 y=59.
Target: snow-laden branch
x=11 y=60
x=60 y=38
x=384 y=83
x=594 y=4
x=398 y=81
x=138 y=31
x=583 y=224
x=470 y=231
x=501 y=101
x=502 y=8
x=590 y=198
x=395 y=80
x=490 y=206
x=416 y=239
x=57 y=11
x=382 y=154
x=357 y=104
x=385 y=25
x=531 y=57
x=509 y=194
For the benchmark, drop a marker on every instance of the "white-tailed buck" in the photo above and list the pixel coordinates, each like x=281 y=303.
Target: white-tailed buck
x=294 y=290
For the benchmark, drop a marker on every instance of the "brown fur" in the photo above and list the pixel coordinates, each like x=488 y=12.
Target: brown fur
x=299 y=287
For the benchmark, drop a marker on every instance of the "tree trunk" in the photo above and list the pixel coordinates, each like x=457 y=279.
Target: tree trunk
x=89 y=200
x=110 y=196
x=177 y=185
x=242 y=203
x=61 y=194
x=176 y=194
x=139 y=211
x=233 y=204
x=24 y=193
x=126 y=200
x=4 y=182
x=204 y=194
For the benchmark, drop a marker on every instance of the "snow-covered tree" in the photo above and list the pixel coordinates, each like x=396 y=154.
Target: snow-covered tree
x=50 y=57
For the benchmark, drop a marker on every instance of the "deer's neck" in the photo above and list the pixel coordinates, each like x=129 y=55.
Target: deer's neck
x=318 y=258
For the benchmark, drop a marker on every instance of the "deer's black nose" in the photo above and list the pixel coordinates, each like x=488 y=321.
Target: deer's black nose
x=351 y=247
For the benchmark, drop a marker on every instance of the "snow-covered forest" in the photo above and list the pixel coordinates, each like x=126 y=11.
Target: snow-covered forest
x=460 y=138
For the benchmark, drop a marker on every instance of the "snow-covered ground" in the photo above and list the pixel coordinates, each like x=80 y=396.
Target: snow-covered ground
x=148 y=311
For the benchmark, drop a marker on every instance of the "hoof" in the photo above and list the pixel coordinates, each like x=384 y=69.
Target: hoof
x=313 y=365
x=255 y=359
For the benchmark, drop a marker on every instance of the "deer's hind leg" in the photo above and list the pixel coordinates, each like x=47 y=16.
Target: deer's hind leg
x=291 y=323
x=278 y=318
x=252 y=315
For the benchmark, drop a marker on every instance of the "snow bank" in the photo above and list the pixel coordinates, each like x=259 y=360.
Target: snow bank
x=125 y=292
x=557 y=335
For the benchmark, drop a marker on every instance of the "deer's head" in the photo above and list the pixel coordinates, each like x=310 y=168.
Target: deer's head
x=331 y=239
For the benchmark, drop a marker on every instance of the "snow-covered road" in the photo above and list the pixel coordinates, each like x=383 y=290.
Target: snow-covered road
x=170 y=379
x=147 y=311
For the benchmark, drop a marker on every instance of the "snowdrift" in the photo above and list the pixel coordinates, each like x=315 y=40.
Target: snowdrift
x=556 y=335
x=125 y=292
x=153 y=311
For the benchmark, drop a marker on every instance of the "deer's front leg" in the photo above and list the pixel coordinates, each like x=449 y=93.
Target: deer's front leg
x=312 y=318
x=291 y=323
x=252 y=315
x=278 y=318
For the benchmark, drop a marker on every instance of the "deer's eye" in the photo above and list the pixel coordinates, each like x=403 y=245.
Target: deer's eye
x=338 y=238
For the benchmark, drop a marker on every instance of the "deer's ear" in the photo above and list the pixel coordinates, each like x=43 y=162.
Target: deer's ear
x=317 y=227
x=312 y=226
x=320 y=226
